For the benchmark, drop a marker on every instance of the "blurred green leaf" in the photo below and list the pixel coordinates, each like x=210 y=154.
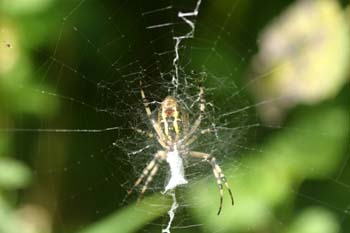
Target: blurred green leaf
x=304 y=47
x=24 y=6
x=310 y=147
x=133 y=217
x=7 y=224
x=315 y=220
x=13 y=174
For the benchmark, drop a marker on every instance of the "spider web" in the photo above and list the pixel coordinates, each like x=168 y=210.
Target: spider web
x=83 y=149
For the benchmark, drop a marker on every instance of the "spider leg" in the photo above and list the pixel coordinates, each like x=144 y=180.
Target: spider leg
x=192 y=139
x=149 y=179
x=218 y=173
x=145 y=133
x=222 y=177
x=201 y=113
x=198 y=121
x=147 y=171
x=161 y=137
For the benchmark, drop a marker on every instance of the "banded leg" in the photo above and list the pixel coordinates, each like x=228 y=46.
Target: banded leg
x=149 y=179
x=192 y=139
x=201 y=114
x=218 y=173
x=161 y=137
x=145 y=133
x=159 y=156
x=221 y=190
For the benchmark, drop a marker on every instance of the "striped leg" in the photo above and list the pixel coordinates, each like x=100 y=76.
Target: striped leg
x=221 y=190
x=145 y=133
x=161 y=137
x=201 y=114
x=218 y=173
x=147 y=171
x=192 y=139
x=149 y=179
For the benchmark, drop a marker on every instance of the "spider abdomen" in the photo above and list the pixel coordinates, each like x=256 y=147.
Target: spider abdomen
x=171 y=119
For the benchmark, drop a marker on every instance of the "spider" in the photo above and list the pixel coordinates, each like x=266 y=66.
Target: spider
x=174 y=133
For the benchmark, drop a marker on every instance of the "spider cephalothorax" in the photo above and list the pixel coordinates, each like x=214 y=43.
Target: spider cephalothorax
x=175 y=134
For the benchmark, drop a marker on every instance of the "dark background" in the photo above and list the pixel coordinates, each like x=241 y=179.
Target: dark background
x=76 y=65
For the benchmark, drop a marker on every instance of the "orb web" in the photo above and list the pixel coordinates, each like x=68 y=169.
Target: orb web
x=86 y=75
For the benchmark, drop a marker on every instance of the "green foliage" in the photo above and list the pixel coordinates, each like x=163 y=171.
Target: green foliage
x=13 y=174
x=133 y=217
x=268 y=183
x=314 y=220
x=270 y=178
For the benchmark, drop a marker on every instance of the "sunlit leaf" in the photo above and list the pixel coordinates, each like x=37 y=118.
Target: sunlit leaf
x=267 y=178
x=131 y=218
x=13 y=174
x=305 y=55
x=315 y=220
